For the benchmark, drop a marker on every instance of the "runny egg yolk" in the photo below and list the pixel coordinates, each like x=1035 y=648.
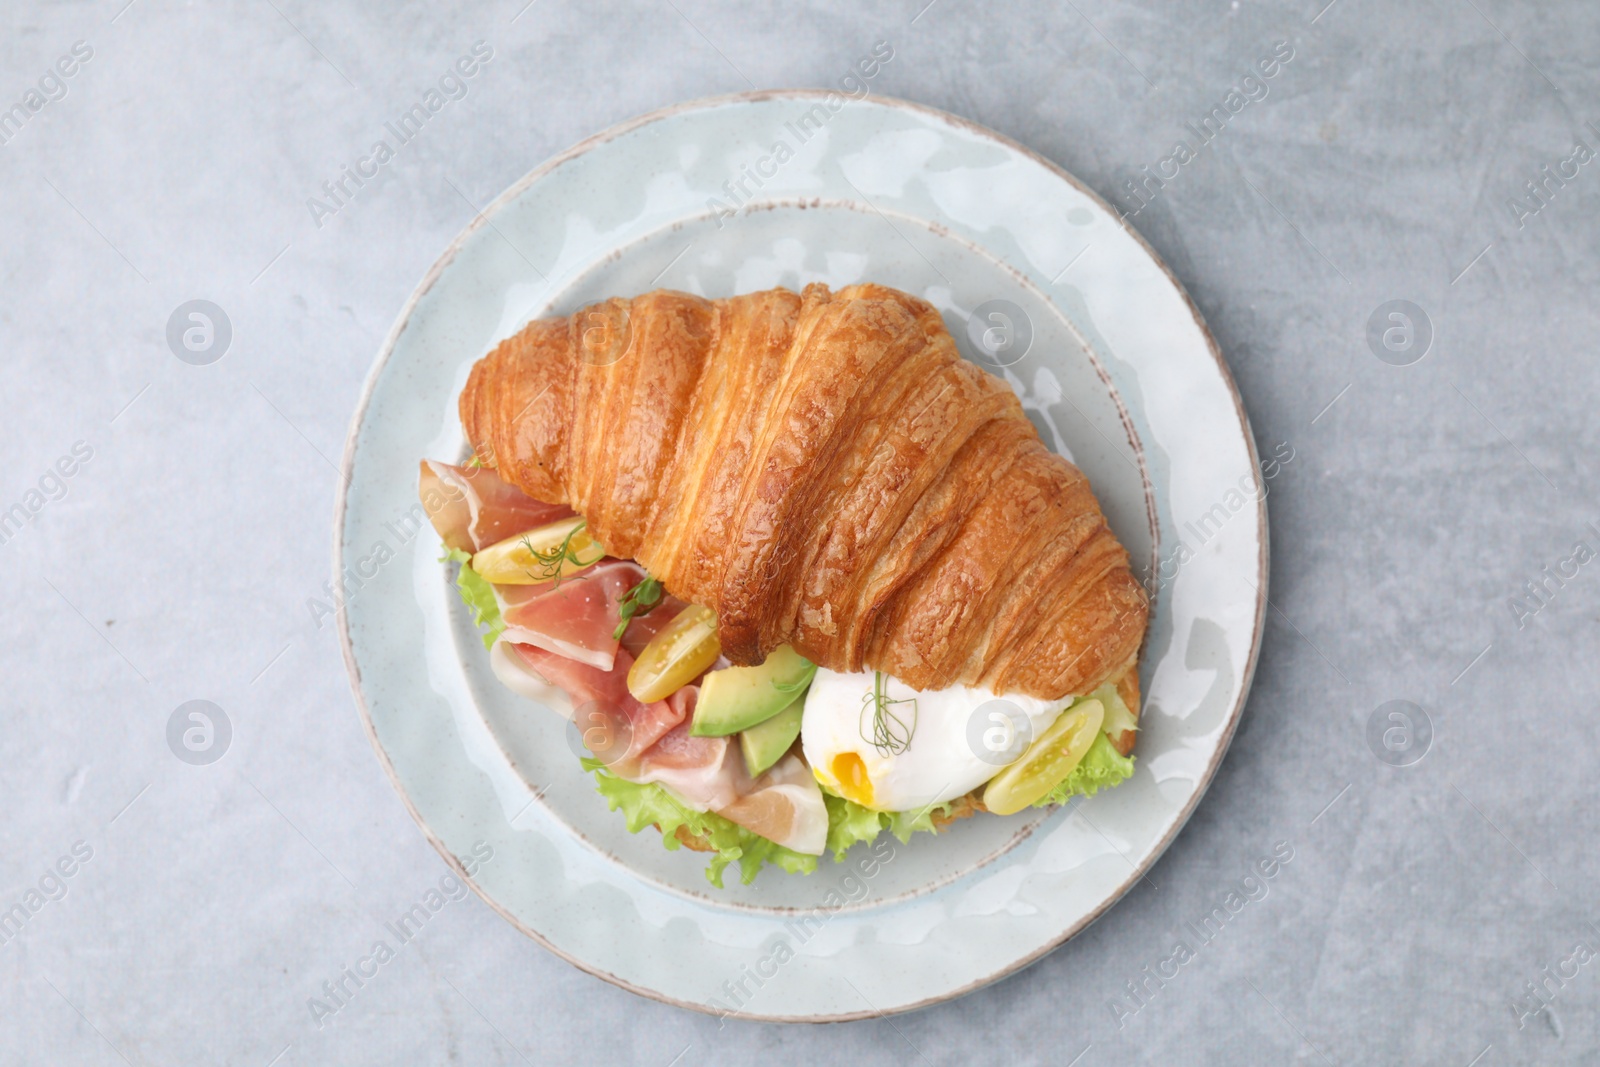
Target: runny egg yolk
x=850 y=778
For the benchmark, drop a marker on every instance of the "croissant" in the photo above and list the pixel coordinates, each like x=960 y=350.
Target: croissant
x=823 y=470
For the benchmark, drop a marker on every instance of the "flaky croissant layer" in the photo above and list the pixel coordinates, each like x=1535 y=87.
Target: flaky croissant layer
x=823 y=470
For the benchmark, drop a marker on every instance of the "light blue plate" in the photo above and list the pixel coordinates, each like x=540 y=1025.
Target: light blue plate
x=1114 y=367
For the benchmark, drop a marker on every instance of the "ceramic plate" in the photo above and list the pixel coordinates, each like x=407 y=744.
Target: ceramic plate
x=1039 y=280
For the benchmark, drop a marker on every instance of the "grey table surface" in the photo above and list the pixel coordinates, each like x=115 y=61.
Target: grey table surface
x=1389 y=160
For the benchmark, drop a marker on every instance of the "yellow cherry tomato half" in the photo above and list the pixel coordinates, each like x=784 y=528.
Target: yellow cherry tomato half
x=543 y=554
x=676 y=656
x=1048 y=761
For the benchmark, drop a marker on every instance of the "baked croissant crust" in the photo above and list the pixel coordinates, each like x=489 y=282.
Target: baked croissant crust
x=823 y=470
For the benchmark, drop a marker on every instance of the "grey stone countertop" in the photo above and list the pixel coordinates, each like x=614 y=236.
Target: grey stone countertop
x=1441 y=912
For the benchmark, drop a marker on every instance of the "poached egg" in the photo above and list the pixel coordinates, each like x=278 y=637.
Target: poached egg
x=960 y=738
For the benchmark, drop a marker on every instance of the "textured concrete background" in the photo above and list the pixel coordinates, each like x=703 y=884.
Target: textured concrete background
x=174 y=564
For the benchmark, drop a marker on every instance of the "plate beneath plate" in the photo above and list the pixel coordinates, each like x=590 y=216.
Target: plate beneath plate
x=1039 y=281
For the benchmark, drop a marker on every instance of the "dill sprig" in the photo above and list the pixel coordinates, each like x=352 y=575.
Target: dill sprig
x=639 y=600
x=550 y=563
x=890 y=732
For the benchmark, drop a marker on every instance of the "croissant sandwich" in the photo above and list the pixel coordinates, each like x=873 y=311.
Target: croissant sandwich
x=804 y=572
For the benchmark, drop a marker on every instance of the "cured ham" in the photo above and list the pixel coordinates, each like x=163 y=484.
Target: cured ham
x=603 y=699
x=701 y=770
x=518 y=676
x=576 y=618
x=783 y=805
x=471 y=508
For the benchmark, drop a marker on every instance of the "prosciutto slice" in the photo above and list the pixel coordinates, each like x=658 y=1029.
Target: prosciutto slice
x=604 y=703
x=575 y=618
x=701 y=770
x=784 y=805
x=471 y=508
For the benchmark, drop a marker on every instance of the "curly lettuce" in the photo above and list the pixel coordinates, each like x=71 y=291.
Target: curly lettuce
x=650 y=805
x=1101 y=768
x=849 y=823
x=478 y=595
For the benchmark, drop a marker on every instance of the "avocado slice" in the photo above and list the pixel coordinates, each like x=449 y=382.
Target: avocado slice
x=765 y=743
x=737 y=698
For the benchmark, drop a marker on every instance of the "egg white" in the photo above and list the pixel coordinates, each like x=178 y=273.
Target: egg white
x=940 y=763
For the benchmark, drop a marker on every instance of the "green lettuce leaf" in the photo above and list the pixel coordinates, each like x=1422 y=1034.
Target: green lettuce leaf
x=647 y=804
x=1101 y=768
x=850 y=823
x=903 y=824
x=478 y=595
